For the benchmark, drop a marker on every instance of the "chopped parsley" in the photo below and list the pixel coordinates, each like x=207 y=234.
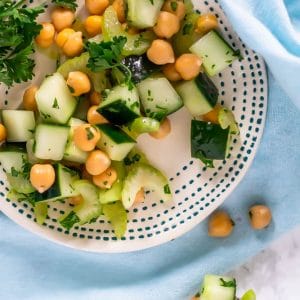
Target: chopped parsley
x=167 y=189
x=230 y=283
x=55 y=104
x=89 y=133
x=187 y=28
x=174 y=5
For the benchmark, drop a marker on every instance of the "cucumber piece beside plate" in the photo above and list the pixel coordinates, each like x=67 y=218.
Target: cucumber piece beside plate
x=19 y=125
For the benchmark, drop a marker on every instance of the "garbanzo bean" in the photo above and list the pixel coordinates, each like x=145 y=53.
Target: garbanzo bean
x=170 y=72
x=86 y=137
x=260 y=216
x=119 y=7
x=106 y=179
x=220 y=224
x=3 y=133
x=46 y=36
x=97 y=162
x=175 y=7
x=161 y=52
x=167 y=25
x=79 y=83
x=163 y=131
x=96 y=7
x=93 y=25
x=94 y=117
x=95 y=98
x=42 y=177
x=73 y=45
x=76 y=200
x=188 y=66
x=139 y=197
x=62 y=18
x=63 y=36
x=206 y=23
x=29 y=102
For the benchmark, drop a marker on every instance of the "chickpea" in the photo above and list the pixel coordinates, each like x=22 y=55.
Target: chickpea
x=3 y=133
x=29 y=102
x=76 y=200
x=171 y=73
x=176 y=8
x=97 y=162
x=213 y=115
x=63 y=36
x=119 y=7
x=62 y=18
x=86 y=137
x=188 y=66
x=106 y=179
x=46 y=36
x=73 y=45
x=260 y=216
x=139 y=197
x=96 y=7
x=161 y=52
x=220 y=225
x=95 y=98
x=94 y=117
x=93 y=25
x=163 y=131
x=79 y=83
x=167 y=25
x=42 y=177
x=206 y=23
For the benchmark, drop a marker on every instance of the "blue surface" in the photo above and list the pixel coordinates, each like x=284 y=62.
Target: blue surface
x=32 y=268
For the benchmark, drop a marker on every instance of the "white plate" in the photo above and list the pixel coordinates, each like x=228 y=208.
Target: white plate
x=197 y=190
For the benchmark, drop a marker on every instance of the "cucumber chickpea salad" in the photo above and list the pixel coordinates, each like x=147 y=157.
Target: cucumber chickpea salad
x=122 y=71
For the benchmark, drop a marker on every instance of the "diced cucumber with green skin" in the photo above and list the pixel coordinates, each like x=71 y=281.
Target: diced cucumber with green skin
x=40 y=212
x=82 y=109
x=115 y=192
x=218 y=287
x=145 y=176
x=121 y=105
x=30 y=152
x=249 y=295
x=90 y=207
x=117 y=216
x=143 y=13
x=199 y=95
x=50 y=141
x=209 y=142
x=187 y=35
x=63 y=186
x=20 y=184
x=98 y=79
x=12 y=157
x=72 y=152
x=19 y=125
x=54 y=100
x=137 y=44
x=226 y=119
x=215 y=52
x=158 y=97
x=134 y=157
x=116 y=143
x=140 y=66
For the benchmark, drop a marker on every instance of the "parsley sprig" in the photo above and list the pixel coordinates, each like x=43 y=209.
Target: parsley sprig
x=108 y=55
x=71 y=4
x=18 y=28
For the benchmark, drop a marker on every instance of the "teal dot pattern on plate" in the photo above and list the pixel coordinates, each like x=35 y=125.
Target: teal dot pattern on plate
x=197 y=190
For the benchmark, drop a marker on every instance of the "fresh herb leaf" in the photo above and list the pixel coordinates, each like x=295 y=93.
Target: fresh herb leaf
x=14 y=172
x=18 y=28
x=187 y=28
x=71 y=4
x=55 y=104
x=230 y=283
x=70 y=220
x=174 y=5
x=167 y=189
x=89 y=133
x=152 y=2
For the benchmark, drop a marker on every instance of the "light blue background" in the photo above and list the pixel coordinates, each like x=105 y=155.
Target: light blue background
x=32 y=268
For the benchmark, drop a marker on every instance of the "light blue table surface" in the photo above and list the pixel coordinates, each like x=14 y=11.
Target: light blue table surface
x=33 y=268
